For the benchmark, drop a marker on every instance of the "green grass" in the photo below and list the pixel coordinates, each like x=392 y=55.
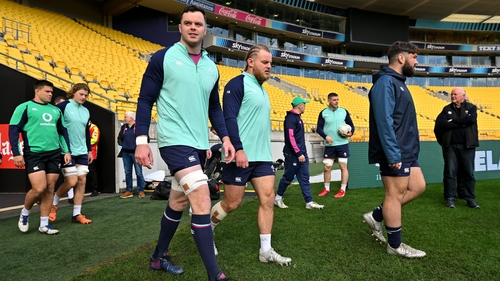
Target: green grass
x=329 y=244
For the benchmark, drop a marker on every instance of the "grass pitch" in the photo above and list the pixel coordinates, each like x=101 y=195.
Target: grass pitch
x=329 y=244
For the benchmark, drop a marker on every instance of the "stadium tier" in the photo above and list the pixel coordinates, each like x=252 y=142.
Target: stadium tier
x=64 y=52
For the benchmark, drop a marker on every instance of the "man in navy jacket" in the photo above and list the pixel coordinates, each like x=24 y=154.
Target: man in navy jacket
x=394 y=145
x=296 y=159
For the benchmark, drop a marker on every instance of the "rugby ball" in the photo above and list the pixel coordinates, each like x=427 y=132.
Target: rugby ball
x=344 y=129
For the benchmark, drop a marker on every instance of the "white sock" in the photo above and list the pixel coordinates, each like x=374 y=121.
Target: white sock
x=70 y=193
x=77 y=209
x=265 y=242
x=278 y=197
x=44 y=221
x=343 y=186
x=327 y=186
x=55 y=202
x=25 y=212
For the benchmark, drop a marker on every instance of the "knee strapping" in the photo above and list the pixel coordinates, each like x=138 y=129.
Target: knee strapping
x=82 y=170
x=342 y=160
x=218 y=213
x=192 y=181
x=69 y=171
x=175 y=185
x=328 y=162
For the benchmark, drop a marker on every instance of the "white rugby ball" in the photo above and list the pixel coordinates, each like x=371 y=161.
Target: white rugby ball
x=344 y=129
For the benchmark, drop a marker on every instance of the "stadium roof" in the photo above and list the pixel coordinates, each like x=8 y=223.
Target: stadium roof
x=436 y=10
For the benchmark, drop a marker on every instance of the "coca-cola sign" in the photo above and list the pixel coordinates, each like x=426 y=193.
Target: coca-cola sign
x=239 y=15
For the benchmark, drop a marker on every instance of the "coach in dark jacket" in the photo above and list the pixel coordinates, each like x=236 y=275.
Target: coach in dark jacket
x=456 y=132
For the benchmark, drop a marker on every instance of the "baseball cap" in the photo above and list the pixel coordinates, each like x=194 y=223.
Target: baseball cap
x=298 y=100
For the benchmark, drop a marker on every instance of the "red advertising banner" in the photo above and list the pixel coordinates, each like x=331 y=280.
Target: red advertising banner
x=5 y=148
x=239 y=15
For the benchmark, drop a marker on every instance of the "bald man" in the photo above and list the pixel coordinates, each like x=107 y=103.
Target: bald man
x=456 y=132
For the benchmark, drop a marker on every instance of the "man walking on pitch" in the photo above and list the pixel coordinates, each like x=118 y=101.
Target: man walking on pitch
x=296 y=159
x=42 y=128
x=394 y=145
x=77 y=119
x=183 y=81
x=247 y=113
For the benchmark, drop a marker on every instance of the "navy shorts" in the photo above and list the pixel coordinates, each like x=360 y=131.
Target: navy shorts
x=386 y=171
x=341 y=151
x=50 y=162
x=179 y=157
x=77 y=159
x=238 y=176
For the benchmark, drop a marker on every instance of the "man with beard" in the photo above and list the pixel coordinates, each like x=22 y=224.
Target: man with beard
x=247 y=113
x=394 y=145
x=183 y=81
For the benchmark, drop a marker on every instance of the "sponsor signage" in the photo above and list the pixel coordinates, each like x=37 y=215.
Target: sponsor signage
x=289 y=56
x=282 y=54
x=457 y=70
x=331 y=61
x=493 y=48
x=207 y=6
x=444 y=47
x=5 y=148
x=233 y=45
x=239 y=15
x=307 y=31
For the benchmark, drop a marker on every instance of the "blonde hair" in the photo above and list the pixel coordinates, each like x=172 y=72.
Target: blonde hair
x=253 y=52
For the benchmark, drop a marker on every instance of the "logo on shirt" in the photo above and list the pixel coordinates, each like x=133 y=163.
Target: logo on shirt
x=191 y=158
x=228 y=91
x=237 y=179
x=402 y=89
x=466 y=111
x=35 y=109
x=47 y=118
x=449 y=112
x=178 y=62
x=295 y=164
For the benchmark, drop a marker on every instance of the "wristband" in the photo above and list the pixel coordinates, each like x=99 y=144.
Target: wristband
x=141 y=140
